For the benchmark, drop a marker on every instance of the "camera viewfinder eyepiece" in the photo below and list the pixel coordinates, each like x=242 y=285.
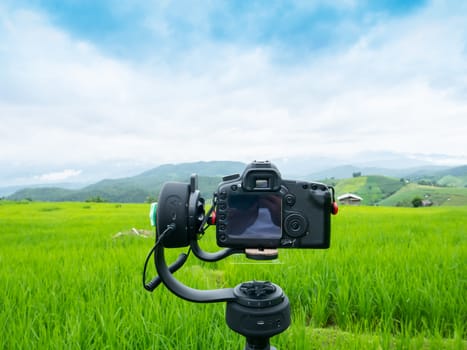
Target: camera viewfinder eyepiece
x=261 y=176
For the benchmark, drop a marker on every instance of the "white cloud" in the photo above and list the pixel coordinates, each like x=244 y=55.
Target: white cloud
x=58 y=176
x=401 y=87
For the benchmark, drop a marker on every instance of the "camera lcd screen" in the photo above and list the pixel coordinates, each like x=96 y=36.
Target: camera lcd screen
x=256 y=216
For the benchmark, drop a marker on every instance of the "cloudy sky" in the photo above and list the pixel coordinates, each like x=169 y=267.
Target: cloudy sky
x=141 y=83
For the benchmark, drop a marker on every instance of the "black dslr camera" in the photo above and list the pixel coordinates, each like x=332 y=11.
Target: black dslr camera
x=257 y=209
x=261 y=210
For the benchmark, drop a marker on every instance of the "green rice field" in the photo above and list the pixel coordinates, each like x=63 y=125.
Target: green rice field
x=394 y=278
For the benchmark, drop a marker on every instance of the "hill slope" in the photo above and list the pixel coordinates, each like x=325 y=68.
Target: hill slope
x=139 y=188
x=437 y=195
x=385 y=191
x=452 y=177
x=371 y=188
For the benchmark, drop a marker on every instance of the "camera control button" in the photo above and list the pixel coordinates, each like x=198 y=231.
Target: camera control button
x=295 y=225
x=290 y=199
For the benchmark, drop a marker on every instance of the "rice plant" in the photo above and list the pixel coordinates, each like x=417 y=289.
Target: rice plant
x=394 y=278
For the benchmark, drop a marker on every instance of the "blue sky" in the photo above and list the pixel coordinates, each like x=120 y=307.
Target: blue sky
x=140 y=83
x=291 y=28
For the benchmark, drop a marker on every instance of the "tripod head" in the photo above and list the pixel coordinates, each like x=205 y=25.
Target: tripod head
x=257 y=310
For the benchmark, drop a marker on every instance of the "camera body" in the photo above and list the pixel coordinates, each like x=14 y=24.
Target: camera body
x=261 y=210
x=257 y=210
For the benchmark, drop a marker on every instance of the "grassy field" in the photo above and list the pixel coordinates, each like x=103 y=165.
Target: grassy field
x=394 y=278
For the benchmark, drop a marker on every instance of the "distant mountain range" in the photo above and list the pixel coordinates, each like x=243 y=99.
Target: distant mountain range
x=381 y=183
x=139 y=188
x=346 y=171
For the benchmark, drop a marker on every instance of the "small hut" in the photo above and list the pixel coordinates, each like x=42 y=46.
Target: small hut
x=350 y=199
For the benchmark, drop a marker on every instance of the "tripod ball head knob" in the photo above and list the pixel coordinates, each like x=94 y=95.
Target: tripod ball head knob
x=260 y=311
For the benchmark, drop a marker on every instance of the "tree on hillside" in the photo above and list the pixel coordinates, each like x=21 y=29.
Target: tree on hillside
x=417 y=202
x=95 y=199
x=151 y=199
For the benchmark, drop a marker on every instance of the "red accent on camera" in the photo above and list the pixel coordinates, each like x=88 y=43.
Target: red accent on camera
x=334 y=208
x=212 y=218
